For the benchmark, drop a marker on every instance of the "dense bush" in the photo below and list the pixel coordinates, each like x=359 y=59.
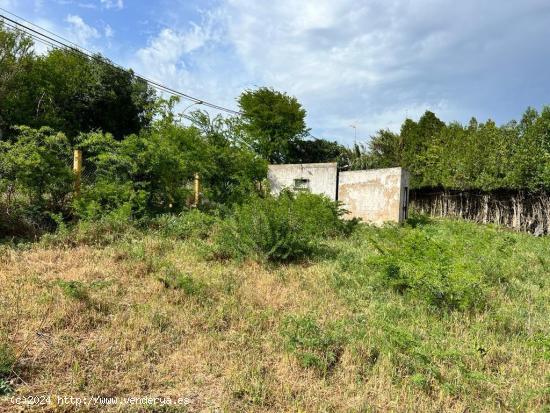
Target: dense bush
x=36 y=179
x=112 y=226
x=154 y=171
x=145 y=175
x=282 y=228
x=189 y=224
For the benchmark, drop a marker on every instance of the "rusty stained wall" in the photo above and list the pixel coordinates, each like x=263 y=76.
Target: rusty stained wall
x=322 y=177
x=376 y=196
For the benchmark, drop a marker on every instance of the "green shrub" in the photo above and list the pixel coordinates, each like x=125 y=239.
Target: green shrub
x=283 y=228
x=113 y=226
x=190 y=224
x=7 y=360
x=35 y=180
x=314 y=346
x=418 y=265
x=5 y=387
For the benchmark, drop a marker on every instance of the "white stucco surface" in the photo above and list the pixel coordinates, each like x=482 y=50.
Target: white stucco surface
x=322 y=177
x=376 y=195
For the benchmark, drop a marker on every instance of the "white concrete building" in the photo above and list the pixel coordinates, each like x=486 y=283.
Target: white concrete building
x=376 y=196
x=318 y=178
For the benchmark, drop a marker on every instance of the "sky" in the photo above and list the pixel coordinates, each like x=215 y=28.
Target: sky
x=365 y=63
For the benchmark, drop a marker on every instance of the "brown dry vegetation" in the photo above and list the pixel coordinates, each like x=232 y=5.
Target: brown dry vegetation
x=100 y=321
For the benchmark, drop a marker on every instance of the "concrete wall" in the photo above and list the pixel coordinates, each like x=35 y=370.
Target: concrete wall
x=321 y=177
x=375 y=196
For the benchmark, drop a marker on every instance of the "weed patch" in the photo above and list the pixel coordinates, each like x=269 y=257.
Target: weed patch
x=7 y=362
x=190 y=224
x=314 y=346
x=176 y=280
x=75 y=290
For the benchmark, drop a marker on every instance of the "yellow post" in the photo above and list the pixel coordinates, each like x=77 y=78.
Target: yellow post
x=197 y=190
x=77 y=169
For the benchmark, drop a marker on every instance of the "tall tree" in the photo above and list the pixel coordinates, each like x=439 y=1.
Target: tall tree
x=68 y=91
x=16 y=55
x=273 y=122
x=415 y=140
x=385 y=149
x=317 y=151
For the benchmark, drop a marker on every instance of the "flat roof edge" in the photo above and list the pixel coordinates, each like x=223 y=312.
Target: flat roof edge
x=309 y=165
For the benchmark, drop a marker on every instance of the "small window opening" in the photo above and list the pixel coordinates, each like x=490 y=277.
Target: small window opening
x=301 y=184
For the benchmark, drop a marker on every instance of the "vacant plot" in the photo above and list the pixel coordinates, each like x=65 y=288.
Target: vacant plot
x=432 y=316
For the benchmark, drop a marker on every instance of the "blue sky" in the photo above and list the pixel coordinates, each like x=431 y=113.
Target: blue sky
x=367 y=63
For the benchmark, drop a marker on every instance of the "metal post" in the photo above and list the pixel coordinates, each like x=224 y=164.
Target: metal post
x=77 y=169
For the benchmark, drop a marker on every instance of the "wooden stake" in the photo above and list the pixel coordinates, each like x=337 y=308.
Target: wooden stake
x=77 y=169
x=197 y=190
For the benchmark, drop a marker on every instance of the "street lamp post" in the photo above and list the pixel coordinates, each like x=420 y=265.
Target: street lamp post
x=355 y=133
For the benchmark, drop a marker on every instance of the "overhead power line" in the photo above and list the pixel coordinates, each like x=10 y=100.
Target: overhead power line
x=54 y=42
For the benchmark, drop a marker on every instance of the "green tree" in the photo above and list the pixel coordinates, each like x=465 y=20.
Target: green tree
x=35 y=169
x=531 y=158
x=273 y=122
x=68 y=91
x=415 y=140
x=16 y=55
x=385 y=150
x=317 y=151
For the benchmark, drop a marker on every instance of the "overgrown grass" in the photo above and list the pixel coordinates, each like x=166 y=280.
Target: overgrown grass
x=7 y=362
x=430 y=316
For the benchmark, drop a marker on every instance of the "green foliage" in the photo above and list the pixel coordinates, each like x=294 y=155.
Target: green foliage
x=35 y=177
x=7 y=359
x=75 y=290
x=273 y=122
x=229 y=169
x=153 y=171
x=317 y=151
x=112 y=226
x=69 y=91
x=385 y=150
x=7 y=362
x=137 y=178
x=421 y=264
x=17 y=56
x=480 y=156
x=315 y=346
x=283 y=228
x=191 y=224
x=415 y=263
x=176 y=280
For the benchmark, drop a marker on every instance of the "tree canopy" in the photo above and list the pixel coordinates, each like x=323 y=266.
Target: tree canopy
x=482 y=156
x=68 y=91
x=273 y=122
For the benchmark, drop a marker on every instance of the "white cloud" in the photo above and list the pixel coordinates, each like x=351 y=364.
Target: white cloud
x=376 y=61
x=190 y=60
x=112 y=4
x=81 y=32
x=108 y=31
x=371 y=63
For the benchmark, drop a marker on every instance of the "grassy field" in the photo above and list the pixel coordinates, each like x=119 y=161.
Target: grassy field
x=432 y=316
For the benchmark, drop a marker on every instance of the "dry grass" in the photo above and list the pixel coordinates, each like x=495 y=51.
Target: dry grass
x=97 y=321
